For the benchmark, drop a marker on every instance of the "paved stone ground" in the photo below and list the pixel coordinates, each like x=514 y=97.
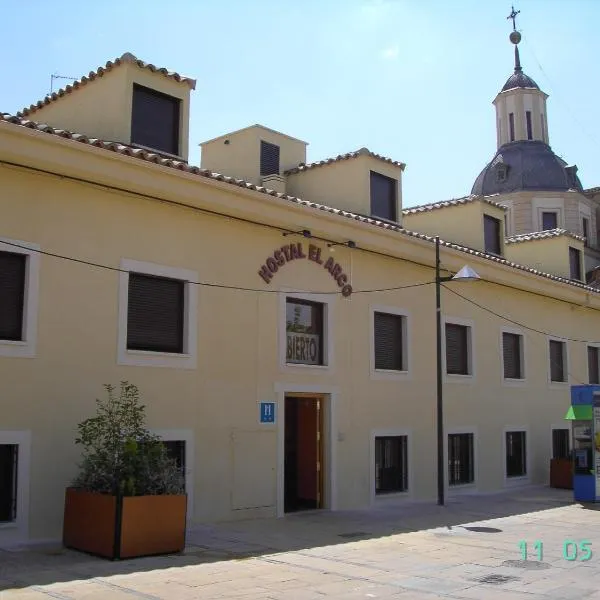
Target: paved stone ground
x=468 y=549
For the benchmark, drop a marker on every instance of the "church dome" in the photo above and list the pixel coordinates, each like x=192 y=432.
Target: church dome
x=519 y=80
x=526 y=165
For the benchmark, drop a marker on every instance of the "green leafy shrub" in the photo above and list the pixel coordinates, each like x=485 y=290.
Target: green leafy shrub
x=120 y=454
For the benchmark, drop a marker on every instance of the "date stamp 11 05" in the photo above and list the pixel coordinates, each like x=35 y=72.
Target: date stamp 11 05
x=571 y=550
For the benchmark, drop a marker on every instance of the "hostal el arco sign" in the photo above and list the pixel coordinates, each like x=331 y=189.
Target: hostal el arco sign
x=290 y=252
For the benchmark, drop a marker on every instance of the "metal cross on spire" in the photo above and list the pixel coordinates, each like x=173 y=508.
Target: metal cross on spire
x=513 y=16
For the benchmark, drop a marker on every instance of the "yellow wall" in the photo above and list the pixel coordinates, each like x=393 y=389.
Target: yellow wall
x=550 y=255
x=344 y=184
x=102 y=108
x=238 y=331
x=461 y=224
x=240 y=157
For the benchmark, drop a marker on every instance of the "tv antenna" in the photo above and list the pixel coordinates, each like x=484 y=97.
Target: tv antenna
x=57 y=76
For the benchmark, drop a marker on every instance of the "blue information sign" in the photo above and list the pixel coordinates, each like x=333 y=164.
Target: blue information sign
x=267 y=412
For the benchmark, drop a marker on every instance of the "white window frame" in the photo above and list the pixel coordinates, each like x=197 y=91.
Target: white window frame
x=555 y=205
x=465 y=487
x=17 y=531
x=387 y=374
x=187 y=436
x=523 y=479
x=470 y=324
x=510 y=381
x=392 y=496
x=25 y=348
x=146 y=358
x=566 y=365
x=587 y=360
x=327 y=301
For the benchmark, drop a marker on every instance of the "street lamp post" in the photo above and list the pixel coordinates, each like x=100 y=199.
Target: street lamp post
x=465 y=274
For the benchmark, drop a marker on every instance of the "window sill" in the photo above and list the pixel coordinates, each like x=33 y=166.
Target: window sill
x=520 y=480
x=17 y=348
x=514 y=382
x=383 y=496
x=144 y=358
x=389 y=374
x=306 y=366
x=558 y=384
x=9 y=525
x=462 y=488
x=456 y=378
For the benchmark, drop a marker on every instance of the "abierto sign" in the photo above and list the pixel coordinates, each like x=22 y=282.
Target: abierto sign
x=303 y=348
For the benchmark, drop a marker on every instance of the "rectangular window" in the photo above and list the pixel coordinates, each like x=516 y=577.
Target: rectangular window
x=155 y=120
x=304 y=327
x=585 y=229
x=269 y=159
x=391 y=464
x=491 y=233
x=461 y=462
x=176 y=451
x=529 y=127
x=9 y=457
x=558 y=371
x=457 y=349
x=12 y=295
x=389 y=331
x=593 y=364
x=383 y=196
x=511 y=124
x=575 y=263
x=516 y=454
x=512 y=352
x=561 y=447
x=549 y=220
x=155 y=314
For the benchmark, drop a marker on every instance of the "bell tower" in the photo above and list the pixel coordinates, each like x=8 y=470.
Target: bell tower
x=520 y=105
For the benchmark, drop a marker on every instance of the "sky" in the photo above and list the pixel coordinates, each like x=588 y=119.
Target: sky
x=410 y=79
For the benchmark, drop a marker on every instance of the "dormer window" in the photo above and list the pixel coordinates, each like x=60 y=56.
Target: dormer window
x=269 y=159
x=383 y=196
x=491 y=234
x=501 y=172
x=155 y=119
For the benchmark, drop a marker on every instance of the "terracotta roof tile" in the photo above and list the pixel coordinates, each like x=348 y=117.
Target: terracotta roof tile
x=328 y=161
x=542 y=235
x=591 y=191
x=145 y=155
x=448 y=203
x=99 y=72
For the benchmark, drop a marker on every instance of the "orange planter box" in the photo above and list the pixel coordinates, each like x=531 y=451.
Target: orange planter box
x=126 y=527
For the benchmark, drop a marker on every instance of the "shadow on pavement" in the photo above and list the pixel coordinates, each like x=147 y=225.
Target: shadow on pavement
x=241 y=540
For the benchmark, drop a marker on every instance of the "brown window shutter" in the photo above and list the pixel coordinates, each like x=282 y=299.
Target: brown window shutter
x=269 y=159
x=557 y=367
x=155 y=317
x=12 y=295
x=155 y=120
x=593 y=366
x=457 y=354
x=511 y=350
x=388 y=341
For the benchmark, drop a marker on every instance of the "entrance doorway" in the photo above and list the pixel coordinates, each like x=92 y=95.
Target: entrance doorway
x=303 y=472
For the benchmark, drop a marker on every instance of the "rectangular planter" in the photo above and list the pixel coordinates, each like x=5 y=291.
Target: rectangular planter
x=124 y=527
x=561 y=473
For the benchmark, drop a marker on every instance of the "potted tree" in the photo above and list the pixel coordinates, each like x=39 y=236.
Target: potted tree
x=128 y=499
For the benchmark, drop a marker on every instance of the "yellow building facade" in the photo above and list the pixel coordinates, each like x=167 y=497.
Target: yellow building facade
x=283 y=337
